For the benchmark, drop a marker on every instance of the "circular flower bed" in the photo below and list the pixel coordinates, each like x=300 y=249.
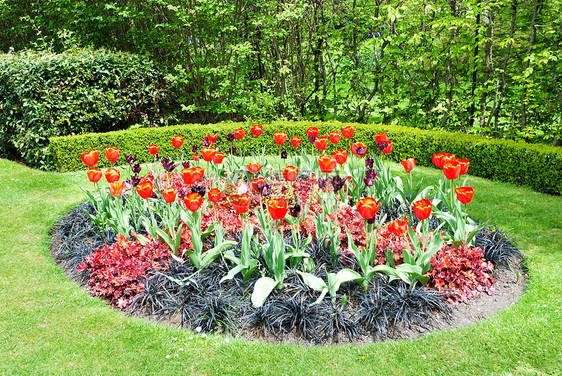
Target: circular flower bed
x=324 y=248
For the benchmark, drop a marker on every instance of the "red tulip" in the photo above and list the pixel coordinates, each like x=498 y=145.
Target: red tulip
x=116 y=188
x=388 y=148
x=381 y=137
x=212 y=137
x=239 y=133
x=112 y=175
x=348 y=131
x=145 y=189
x=195 y=157
x=464 y=194
x=218 y=158
x=334 y=137
x=256 y=181
x=398 y=227
x=449 y=158
x=193 y=201
x=240 y=203
x=437 y=159
x=94 y=175
x=321 y=143
x=215 y=195
x=153 y=149
x=199 y=173
x=208 y=154
x=295 y=141
x=452 y=170
x=280 y=138
x=327 y=163
x=409 y=164
x=256 y=130
x=312 y=132
x=290 y=173
x=277 y=208
x=90 y=158
x=112 y=154
x=177 y=141
x=254 y=167
x=359 y=149
x=464 y=165
x=422 y=209
x=169 y=194
x=368 y=207
x=189 y=175
x=340 y=156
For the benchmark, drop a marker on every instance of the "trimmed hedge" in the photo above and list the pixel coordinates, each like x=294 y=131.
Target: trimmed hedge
x=538 y=166
x=43 y=94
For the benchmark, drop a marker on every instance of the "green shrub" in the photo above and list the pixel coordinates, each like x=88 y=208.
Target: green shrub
x=79 y=91
x=538 y=166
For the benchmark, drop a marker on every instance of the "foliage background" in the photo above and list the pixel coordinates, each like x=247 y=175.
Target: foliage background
x=480 y=66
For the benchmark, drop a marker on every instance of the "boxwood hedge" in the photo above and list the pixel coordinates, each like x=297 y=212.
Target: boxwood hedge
x=538 y=166
x=43 y=94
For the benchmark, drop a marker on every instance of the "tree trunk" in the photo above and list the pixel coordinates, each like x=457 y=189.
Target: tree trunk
x=523 y=117
x=474 y=71
x=488 y=67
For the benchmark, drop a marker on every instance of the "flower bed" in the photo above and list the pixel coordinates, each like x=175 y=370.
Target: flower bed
x=321 y=247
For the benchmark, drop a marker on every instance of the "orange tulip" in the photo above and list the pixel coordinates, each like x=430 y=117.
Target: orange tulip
x=464 y=165
x=312 y=132
x=256 y=130
x=256 y=181
x=368 y=207
x=381 y=137
x=348 y=131
x=169 y=194
x=116 y=188
x=112 y=154
x=290 y=173
x=145 y=189
x=208 y=154
x=398 y=227
x=359 y=149
x=215 y=195
x=409 y=164
x=277 y=208
x=112 y=175
x=340 y=156
x=464 y=194
x=193 y=201
x=189 y=175
x=280 y=138
x=153 y=149
x=218 y=158
x=334 y=137
x=177 y=141
x=90 y=158
x=94 y=175
x=240 y=203
x=452 y=170
x=422 y=209
x=254 y=167
x=321 y=143
x=295 y=141
x=388 y=148
x=327 y=163
x=239 y=133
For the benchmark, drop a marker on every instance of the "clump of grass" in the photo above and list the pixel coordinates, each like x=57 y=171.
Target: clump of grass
x=499 y=248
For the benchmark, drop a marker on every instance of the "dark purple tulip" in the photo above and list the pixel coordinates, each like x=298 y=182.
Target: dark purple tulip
x=130 y=158
x=199 y=189
x=136 y=168
x=322 y=183
x=194 y=149
x=381 y=145
x=369 y=178
x=181 y=193
x=230 y=137
x=185 y=164
x=312 y=139
x=295 y=210
x=369 y=162
x=337 y=183
x=206 y=141
x=135 y=180
x=283 y=154
x=169 y=164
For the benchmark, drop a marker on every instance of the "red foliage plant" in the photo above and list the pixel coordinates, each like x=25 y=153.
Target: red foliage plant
x=117 y=270
x=463 y=269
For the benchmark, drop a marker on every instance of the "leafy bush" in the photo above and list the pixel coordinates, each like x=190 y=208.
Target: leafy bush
x=82 y=90
x=535 y=165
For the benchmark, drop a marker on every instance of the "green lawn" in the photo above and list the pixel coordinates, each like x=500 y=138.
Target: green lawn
x=49 y=325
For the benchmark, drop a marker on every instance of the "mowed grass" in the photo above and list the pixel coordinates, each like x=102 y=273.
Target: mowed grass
x=51 y=326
